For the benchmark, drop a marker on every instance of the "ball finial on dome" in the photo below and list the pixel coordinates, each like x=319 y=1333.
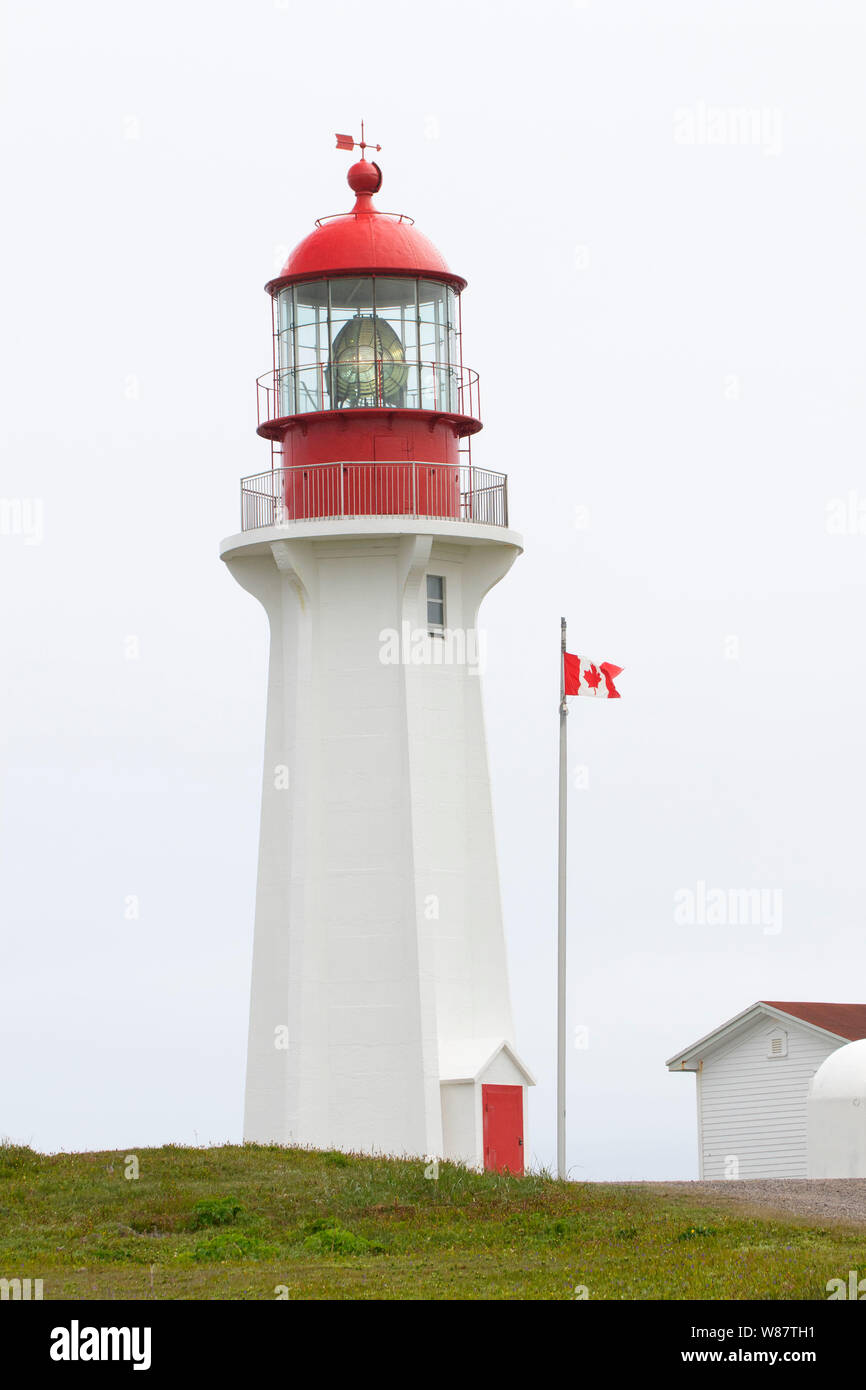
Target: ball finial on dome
x=365 y=177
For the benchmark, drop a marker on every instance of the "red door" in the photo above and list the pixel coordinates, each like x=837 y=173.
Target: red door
x=503 y=1128
x=393 y=476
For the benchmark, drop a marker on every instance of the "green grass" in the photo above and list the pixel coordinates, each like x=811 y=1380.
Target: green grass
x=250 y=1221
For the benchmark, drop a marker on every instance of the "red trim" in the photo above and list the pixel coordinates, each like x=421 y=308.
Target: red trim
x=329 y=419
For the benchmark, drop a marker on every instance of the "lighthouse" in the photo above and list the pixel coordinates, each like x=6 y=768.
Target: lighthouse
x=380 y=1017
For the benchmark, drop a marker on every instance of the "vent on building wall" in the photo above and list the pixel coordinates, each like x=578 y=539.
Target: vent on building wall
x=778 y=1044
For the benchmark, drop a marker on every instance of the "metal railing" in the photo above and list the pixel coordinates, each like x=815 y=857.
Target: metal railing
x=340 y=216
x=425 y=385
x=431 y=491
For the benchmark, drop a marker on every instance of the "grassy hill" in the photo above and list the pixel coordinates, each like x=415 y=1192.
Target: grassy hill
x=255 y=1222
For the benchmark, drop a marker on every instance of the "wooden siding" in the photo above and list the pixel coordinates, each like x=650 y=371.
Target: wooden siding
x=753 y=1107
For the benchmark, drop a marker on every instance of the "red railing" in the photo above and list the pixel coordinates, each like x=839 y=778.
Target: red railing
x=444 y=387
x=340 y=490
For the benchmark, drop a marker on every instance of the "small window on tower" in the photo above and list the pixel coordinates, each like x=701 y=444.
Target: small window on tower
x=435 y=604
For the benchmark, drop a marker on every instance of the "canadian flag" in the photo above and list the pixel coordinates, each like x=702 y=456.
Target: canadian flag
x=585 y=677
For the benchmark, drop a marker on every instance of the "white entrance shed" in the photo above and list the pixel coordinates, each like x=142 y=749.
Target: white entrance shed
x=484 y=1102
x=753 y=1075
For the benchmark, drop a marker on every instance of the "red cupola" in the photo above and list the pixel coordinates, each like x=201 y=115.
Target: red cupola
x=368 y=402
x=365 y=241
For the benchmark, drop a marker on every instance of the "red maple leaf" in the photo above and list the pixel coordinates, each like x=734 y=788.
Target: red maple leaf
x=592 y=677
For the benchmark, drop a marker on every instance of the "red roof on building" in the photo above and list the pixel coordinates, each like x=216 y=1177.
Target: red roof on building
x=845 y=1020
x=365 y=241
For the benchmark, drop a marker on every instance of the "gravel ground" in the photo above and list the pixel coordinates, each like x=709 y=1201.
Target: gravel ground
x=827 y=1199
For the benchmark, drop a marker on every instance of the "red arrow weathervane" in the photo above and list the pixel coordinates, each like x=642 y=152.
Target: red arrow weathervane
x=345 y=142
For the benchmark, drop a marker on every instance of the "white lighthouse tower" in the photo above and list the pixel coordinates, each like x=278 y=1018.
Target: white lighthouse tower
x=380 y=1017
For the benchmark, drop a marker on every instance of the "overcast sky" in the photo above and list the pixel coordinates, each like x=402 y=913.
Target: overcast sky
x=660 y=211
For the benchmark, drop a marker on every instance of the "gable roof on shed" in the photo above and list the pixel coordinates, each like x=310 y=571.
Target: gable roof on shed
x=468 y=1060
x=845 y=1022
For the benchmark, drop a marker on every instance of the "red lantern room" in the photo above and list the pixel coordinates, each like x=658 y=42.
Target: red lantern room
x=369 y=406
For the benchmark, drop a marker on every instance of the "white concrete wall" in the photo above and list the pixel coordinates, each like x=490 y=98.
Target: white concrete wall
x=753 y=1107
x=836 y=1115
x=460 y=1123
x=836 y=1138
x=387 y=816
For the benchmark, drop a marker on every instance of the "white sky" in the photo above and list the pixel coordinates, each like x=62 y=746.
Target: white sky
x=668 y=333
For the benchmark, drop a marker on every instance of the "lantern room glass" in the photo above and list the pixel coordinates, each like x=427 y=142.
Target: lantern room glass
x=352 y=342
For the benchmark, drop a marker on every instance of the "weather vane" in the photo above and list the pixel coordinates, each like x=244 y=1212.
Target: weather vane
x=345 y=142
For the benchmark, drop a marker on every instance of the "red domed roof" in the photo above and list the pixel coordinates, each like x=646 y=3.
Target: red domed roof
x=364 y=241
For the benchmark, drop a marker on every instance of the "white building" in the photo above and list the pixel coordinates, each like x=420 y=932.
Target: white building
x=380 y=1017
x=753 y=1075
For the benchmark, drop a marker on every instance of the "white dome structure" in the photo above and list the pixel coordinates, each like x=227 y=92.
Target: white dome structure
x=836 y=1115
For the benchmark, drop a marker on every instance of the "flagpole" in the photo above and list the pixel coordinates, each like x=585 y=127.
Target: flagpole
x=560 y=943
